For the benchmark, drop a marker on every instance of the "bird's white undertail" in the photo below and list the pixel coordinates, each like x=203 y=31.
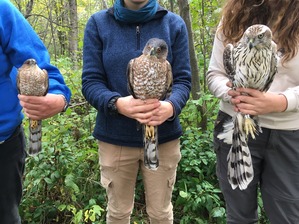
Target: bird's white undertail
x=240 y=169
x=151 y=153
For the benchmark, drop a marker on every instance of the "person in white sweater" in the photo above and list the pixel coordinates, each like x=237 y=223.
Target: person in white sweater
x=275 y=151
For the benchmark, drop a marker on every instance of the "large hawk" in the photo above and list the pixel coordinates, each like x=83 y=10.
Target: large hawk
x=33 y=81
x=150 y=77
x=251 y=63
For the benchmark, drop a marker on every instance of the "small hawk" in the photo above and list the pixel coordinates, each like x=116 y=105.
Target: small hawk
x=33 y=81
x=150 y=77
x=251 y=63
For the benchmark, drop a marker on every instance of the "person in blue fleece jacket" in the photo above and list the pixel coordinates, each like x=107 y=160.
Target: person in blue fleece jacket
x=19 y=42
x=113 y=37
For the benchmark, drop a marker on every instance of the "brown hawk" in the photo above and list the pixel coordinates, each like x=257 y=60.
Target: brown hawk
x=150 y=77
x=33 y=81
x=251 y=63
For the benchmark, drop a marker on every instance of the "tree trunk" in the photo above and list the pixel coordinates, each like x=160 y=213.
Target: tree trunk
x=195 y=84
x=185 y=14
x=105 y=5
x=73 y=31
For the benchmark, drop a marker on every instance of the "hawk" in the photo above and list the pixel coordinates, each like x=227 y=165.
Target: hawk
x=150 y=77
x=251 y=63
x=33 y=81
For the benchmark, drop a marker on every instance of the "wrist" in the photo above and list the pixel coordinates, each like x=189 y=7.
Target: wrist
x=172 y=111
x=65 y=103
x=282 y=103
x=112 y=108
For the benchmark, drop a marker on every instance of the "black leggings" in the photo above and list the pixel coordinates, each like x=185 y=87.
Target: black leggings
x=12 y=162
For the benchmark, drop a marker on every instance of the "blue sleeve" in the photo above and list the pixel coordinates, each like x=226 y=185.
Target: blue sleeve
x=19 y=42
x=94 y=77
x=180 y=67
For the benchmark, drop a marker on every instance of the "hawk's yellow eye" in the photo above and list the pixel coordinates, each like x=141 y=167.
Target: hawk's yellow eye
x=158 y=50
x=260 y=36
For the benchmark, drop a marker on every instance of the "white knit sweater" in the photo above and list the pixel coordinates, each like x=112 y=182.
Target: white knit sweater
x=286 y=82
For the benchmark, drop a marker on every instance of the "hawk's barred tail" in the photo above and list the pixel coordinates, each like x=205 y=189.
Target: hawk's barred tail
x=240 y=169
x=150 y=138
x=35 y=136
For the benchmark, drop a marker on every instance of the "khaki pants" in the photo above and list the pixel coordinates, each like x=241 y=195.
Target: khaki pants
x=119 y=169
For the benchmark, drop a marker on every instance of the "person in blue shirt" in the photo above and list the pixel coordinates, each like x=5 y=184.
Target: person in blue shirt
x=113 y=37
x=19 y=42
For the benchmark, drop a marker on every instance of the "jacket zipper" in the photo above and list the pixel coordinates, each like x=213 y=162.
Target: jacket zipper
x=138 y=36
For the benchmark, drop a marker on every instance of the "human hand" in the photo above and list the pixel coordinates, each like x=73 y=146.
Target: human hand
x=165 y=111
x=255 y=102
x=140 y=110
x=41 y=107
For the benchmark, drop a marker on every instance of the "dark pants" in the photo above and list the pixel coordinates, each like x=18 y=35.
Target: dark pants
x=275 y=157
x=12 y=161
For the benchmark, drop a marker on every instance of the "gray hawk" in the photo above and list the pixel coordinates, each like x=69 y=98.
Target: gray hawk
x=33 y=81
x=251 y=63
x=150 y=77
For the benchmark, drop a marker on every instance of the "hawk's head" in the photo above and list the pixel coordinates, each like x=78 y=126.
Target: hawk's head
x=30 y=61
x=257 y=36
x=156 y=47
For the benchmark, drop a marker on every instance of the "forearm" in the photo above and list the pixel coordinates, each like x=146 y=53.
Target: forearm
x=254 y=102
x=280 y=103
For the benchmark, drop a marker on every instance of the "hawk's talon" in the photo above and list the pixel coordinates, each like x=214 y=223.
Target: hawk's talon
x=149 y=132
x=33 y=124
x=250 y=127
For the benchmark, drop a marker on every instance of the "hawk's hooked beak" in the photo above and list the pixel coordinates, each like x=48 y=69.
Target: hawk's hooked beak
x=153 y=51
x=30 y=61
x=251 y=44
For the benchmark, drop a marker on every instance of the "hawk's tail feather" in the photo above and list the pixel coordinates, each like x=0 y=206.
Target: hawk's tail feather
x=227 y=134
x=35 y=136
x=240 y=169
x=150 y=138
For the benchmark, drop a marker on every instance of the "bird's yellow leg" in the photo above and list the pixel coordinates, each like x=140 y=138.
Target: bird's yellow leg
x=33 y=124
x=149 y=132
x=249 y=126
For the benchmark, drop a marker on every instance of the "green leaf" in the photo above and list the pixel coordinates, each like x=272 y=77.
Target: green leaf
x=218 y=212
x=183 y=194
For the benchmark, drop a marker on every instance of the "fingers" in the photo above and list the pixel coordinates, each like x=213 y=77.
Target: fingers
x=148 y=104
x=229 y=84
x=242 y=96
x=248 y=92
x=149 y=111
x=145 y=118
x=31 y=105
x=41 y=107
x=137 y=109
x=146 y=109
x=246 y=108
x=253 y=102
x=165 y=111
x=30 y=100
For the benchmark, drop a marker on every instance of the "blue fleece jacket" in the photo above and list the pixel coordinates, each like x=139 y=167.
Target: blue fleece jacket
x=108 y=46
x=18 y=42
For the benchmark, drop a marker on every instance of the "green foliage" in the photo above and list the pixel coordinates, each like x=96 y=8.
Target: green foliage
x=62 y=182
x=197 y=195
